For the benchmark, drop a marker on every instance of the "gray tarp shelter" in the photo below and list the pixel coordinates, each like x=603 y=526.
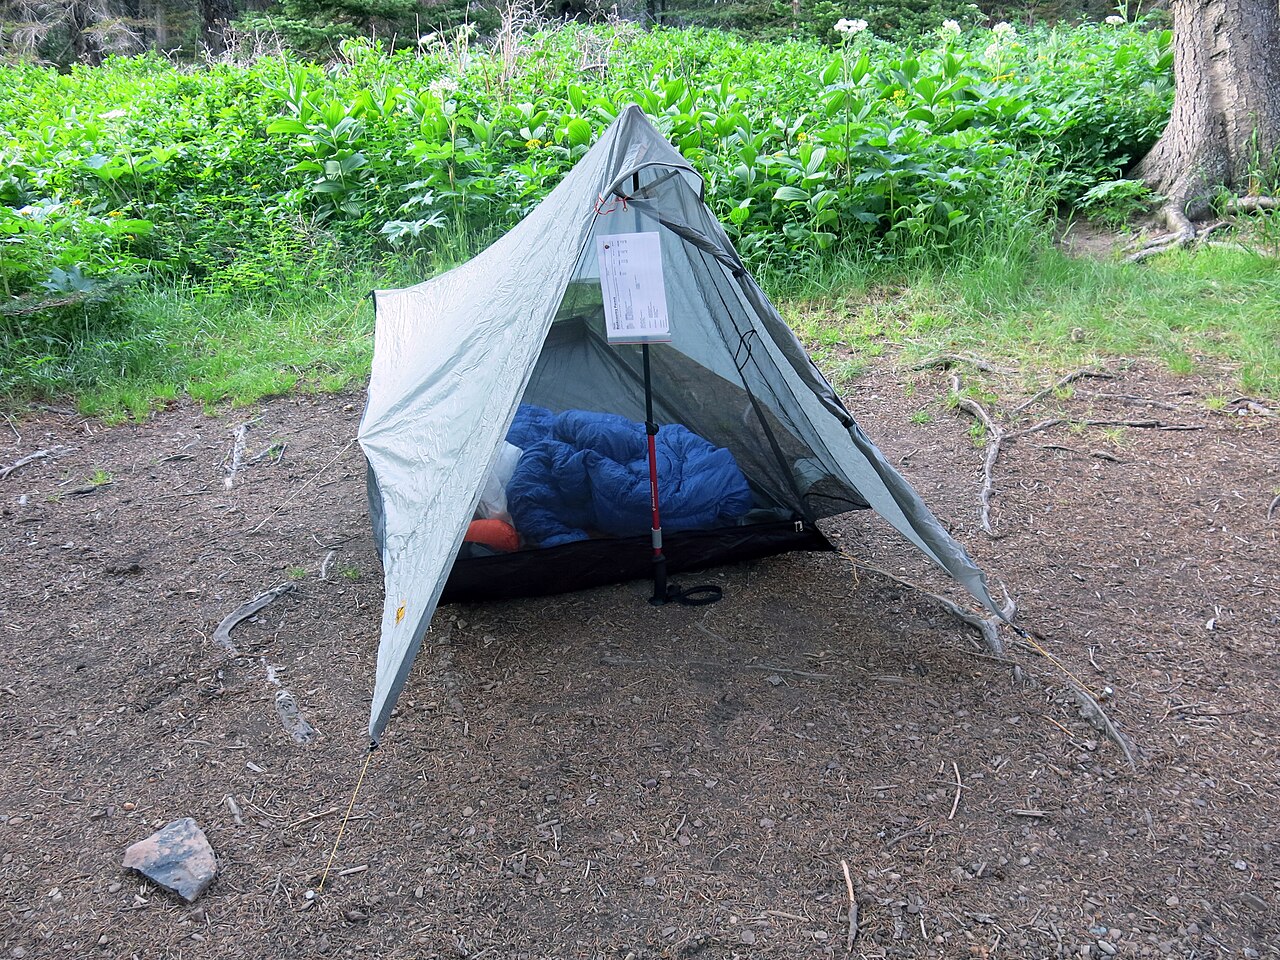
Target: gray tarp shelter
x=523 y=323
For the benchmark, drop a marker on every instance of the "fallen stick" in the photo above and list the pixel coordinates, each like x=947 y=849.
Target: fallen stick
x=959 y=786
x=914 y=832
x=1272 y=509
x=315 y=816
x=222 y=634
x=853 y=909
x=30 y=458
x=324 y=567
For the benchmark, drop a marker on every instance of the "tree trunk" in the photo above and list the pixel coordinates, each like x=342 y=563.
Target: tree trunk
x=1225 y=124
x=214 y=16
x=80 y=31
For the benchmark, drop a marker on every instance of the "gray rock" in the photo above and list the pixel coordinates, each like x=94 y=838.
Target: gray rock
x=177 y=857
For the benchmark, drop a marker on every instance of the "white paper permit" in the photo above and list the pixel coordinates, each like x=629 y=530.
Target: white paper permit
x=635 y=296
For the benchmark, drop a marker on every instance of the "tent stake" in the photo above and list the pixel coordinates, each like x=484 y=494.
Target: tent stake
x=659 y=559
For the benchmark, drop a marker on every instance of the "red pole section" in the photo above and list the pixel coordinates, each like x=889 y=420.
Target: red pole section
x=653 y=494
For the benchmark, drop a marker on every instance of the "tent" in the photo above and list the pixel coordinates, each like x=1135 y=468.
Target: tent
x=466 y=360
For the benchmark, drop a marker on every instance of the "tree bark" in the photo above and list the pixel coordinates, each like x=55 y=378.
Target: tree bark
x=81 y=21
x=1225 y=124
x=214 y=16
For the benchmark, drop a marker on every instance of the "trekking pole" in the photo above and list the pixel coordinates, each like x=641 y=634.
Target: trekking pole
x=659 y=560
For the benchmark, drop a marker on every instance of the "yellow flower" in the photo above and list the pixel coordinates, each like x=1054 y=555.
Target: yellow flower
x=77 y=202
x=116 y=213
x=533 y=143
x=801 y=137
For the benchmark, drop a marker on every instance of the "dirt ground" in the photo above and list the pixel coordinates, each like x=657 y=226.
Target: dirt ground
x=589 y=776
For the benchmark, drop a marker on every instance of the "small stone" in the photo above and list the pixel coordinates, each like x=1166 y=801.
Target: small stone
x=356 y=916
x=322 y=945
x=1107 y=948
x=177 y=857
x=18 y=953
x=1193 y=929
x=115 y=887
x=767 y=823
x=747 y=936
x=819 y=934
x=1240 y=865
x=103 y=940
x=128 y=806
x=774 y=680
x=468 y=811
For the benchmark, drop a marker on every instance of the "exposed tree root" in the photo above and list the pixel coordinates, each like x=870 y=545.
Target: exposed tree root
x=995 y=437
x=1182 y=232
x=988 y=627
x=946 y=361
x=999 y=436
x=1252 y=204
x=30 y=458
x=1069 y=378
x=222 y=633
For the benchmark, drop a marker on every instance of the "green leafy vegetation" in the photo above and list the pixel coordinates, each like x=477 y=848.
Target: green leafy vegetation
x=167 y=230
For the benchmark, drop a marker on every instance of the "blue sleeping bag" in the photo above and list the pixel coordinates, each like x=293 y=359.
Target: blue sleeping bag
x=587 y=473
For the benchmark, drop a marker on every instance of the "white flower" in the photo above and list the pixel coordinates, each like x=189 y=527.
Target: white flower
x=443 y=86
x=1115 y=20
x=949 y=28
x=1003 y=29
x=850 y=26
x=426 y=39
x=992 y=52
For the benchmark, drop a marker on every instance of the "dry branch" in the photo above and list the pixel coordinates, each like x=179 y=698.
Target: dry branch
x=853 y=908
x=959 y=787
x=1272 y=509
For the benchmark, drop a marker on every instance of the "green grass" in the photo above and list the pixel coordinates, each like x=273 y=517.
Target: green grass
x=215 y=349
x=1201 y=311
x=1212 y=307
